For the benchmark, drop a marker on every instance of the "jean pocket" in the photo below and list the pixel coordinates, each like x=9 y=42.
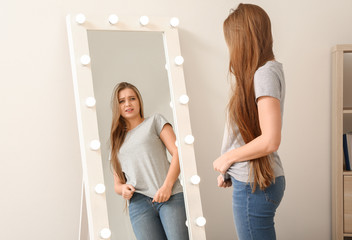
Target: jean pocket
x=275 y=192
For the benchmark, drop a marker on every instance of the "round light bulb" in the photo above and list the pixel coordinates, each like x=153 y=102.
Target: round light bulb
x=189 y=139
x=195 y=179
x=179 y=60
x=174 y=22
x=144 y=20
x=184 y=99
x=85 y=60
x=113 y=19
x=105 y=233
x=90 y=102
x=94 y=145
x=186 y=223
x=100 y=188
x=80 y=18
x=201 y=221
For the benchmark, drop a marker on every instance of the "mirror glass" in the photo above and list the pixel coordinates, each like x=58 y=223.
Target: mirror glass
x=137 y=58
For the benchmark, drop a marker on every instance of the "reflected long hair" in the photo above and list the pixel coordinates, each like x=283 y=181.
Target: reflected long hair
x=248 y=36
x=119 y=126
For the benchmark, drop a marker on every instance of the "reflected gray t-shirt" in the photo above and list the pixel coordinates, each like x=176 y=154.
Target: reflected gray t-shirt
x=143 y=157
x=268 y=81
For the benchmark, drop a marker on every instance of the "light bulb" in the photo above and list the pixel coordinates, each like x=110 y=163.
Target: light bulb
x=201 y=221
x=100 y=188
x=195 y=179
x=85 y=59
x=113 y=19
x=189 y=139
x=176 y=143
x=144 y=20
x=94 y=145
x=174 y=22
x=179 y=60
x=186 y=223
x=90 y=101
x=105 y=233
x=80 y=18
x=184 y=99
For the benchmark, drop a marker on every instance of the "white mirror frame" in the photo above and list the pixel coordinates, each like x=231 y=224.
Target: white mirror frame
x=88 y=125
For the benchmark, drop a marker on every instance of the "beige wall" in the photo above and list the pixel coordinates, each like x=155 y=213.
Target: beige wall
x=40 y=174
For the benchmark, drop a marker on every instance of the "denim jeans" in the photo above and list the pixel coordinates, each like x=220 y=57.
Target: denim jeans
x=158 y=221
x=254 y=212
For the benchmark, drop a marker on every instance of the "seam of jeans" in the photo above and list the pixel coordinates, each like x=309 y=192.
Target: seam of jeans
x=248 y=191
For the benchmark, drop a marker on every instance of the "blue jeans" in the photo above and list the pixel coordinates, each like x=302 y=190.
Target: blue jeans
x=254 y=212
x=158 y=221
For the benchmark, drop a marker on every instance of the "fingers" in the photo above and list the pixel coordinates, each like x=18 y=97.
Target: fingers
x=127 y=191
x=222 y=183
x=159 y=197
x=218 y=169
x=131 y=188
x=228 y=183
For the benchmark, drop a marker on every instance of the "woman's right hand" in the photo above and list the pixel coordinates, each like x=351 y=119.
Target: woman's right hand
x=127 y=191
x=222 y=183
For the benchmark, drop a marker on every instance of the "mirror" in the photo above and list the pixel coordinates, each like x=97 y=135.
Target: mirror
x=136 y=50
x=137 y=58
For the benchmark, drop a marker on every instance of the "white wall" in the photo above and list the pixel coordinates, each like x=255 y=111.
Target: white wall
x=40 y=170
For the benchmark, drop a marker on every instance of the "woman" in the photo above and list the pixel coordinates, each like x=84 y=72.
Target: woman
x=249 y=160
x=142 y=173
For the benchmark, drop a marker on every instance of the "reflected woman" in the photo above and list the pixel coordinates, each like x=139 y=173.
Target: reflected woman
x=142 y=173
x=249 y=160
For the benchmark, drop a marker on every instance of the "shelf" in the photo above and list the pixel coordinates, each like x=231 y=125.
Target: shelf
x=341 y=123
x=347 y=110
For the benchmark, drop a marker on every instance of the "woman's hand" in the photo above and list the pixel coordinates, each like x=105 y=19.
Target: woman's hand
x=222 y=183
x=162 y=195
x=127 y=191
x=221 y=164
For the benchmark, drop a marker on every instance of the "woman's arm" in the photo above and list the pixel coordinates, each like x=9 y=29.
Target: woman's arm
x=168 y=137
x=126 y=190
x=269 y=141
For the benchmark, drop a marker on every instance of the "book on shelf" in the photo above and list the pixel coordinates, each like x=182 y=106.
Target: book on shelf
x=347 y=149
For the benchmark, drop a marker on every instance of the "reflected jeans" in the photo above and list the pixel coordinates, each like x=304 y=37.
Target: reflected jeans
x=254 y=212
x=158 y=221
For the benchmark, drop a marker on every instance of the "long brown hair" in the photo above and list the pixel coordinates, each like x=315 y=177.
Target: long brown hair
x=248 y=36
x=119 y=126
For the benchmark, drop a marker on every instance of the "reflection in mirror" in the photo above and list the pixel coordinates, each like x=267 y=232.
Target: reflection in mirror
x=137 y=58
x=90 y=102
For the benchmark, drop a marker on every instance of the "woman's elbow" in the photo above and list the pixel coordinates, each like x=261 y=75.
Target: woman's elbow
x=273 y=145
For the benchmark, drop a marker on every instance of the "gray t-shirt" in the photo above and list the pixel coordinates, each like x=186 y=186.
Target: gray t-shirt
x=268 y=81
x=143 y=157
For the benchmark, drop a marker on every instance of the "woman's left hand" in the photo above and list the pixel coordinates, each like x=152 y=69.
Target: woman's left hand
x=221 y=164
x=162 y=195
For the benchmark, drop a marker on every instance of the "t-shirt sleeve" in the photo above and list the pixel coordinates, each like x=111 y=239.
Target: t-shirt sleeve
x=160 y=122
x=267 y=83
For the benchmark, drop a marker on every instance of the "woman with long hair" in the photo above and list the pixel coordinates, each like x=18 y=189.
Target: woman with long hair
x=249 y=160
x=142 y=173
